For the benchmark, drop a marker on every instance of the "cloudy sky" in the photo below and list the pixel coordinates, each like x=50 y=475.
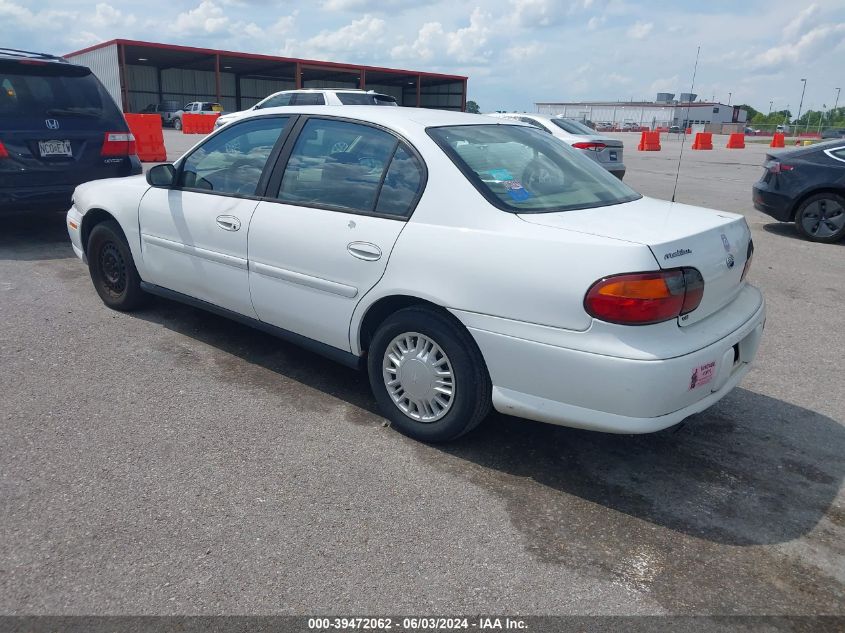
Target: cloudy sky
x=515 y=52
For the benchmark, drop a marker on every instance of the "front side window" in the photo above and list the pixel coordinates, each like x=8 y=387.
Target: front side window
x=534 y=123
x=275 y=101
x=523 y=170
x=308 y=98
x=337 y=164
x=232 y=161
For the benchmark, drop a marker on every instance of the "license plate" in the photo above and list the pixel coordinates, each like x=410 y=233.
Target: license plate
x=612 y=155
x=54 y=148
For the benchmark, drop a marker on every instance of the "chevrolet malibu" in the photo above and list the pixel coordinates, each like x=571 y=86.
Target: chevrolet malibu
x=466 y=262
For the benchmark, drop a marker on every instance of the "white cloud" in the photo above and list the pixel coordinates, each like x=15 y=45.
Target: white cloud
x=373 y=6
x=797 y=24
x=595 y=22
x=106 y=15
x=356 y=36
x=816 y=41
x=467 y=44
x=537 y=12
x=520 y=53
x=206 y=17
x=640 y=30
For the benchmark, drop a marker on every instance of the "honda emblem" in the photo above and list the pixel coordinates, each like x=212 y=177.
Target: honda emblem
x=52 y=124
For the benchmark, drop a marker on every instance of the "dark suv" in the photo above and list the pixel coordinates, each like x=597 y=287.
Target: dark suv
x=58 y=128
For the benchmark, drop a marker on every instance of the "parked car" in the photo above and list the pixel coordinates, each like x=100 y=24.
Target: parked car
x=195 y=107
x=783 y=129
x=606 y=151
x=310 y=96
x=166 y=110
x=834 y=132
x=465 y=261
x=675 y=129
x=806 y=186
x=58 y=128
x=750 y=131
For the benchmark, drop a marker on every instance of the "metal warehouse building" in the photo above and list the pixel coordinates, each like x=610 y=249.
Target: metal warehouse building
x=139 y=73
x=665 y=111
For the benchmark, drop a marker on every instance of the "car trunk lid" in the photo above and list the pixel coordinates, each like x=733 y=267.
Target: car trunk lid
x=714 y=242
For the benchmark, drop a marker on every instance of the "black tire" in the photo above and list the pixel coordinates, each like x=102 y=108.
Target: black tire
x=112 y=268
x=177 y=123
x=471 y=399
x=821 y=218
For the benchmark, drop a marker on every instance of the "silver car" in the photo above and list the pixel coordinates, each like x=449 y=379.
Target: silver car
x=606 y=151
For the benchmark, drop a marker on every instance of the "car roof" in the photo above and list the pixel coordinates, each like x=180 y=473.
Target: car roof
x=835 y=143
x=17 y=54
x=399 y=118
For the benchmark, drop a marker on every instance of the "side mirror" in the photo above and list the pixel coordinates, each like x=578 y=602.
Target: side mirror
x=162 y=175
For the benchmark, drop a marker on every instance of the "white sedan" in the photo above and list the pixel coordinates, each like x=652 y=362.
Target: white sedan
x=467 y=262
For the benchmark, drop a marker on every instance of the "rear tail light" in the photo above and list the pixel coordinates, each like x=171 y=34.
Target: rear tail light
x=118 y=144
x=748 y=258
x=4 y=153
x=645 y=298
x=595 y=147
x=776 y=167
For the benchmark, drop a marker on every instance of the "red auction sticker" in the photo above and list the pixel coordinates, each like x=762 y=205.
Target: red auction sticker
x=702 y=374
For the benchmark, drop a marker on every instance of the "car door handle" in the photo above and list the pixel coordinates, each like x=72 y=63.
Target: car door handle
x=228 y=222
x=364 y=250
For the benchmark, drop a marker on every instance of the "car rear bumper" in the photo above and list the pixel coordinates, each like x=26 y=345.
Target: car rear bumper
x=57 y=197
x=574 y=388
x=45 y=198
x=774 y=204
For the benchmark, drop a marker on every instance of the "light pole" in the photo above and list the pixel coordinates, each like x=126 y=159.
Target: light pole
x=770 y=107
x=730 y=94
x=836 y=103
x=801 y=104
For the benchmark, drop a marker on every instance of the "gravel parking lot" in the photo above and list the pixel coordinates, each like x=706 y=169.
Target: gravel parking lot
x=170 y=461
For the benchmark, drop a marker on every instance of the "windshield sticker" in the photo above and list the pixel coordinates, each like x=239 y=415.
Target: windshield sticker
x=516 y=191
x=501 y=174
x=702 y=374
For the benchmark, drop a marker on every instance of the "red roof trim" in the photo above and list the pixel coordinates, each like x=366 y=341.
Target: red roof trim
x=258 y=56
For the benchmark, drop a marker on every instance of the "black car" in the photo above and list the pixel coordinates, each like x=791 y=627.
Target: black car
x=58 y=128
x=834 y=132
x=806 y=186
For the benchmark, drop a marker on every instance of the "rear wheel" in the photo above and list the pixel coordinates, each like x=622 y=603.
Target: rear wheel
x=112 y=268
x=821 y=218
x=428 y=375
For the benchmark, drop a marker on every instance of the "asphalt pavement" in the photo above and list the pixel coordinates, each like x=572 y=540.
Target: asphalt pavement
x=170 y=461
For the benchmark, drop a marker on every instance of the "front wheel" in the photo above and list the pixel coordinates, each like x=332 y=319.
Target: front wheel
x=428 y=375
x=177 y=124
x=112 y=268
x=821 y=218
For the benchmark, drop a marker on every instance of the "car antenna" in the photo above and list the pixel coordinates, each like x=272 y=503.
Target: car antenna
x=684 y=137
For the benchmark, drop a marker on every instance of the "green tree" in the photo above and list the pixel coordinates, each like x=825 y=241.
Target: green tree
x=472 y=107
x=752 y=112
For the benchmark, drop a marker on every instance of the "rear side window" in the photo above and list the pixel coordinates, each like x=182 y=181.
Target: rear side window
x=46 y=92
x=573 y=127
x=365 y=98
x=232 y=161
x=402 y=184
x=308 y=98
x=839 y=153
x=337 y=164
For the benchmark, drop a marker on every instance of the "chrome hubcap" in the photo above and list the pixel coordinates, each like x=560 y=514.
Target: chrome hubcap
x=823 y=218
x=418 y=377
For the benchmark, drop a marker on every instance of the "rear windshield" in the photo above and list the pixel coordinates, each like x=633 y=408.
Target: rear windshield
x=52 y=90
x=523 y=170
x=573 y=127
x=365 y=98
